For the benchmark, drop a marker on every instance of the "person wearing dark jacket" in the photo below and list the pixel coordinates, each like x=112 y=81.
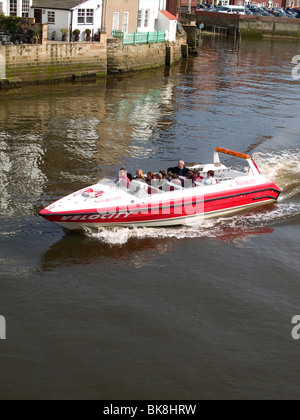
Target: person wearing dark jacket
x=181 y=170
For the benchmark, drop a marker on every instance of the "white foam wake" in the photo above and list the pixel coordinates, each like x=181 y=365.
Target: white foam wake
x=282 y=167
x=234 y=227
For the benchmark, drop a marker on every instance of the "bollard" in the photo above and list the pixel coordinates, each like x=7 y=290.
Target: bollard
x=185 y=51
x=169 y=56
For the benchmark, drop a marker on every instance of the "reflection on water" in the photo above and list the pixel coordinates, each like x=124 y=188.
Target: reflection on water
x=80 y=249
x=137 y=247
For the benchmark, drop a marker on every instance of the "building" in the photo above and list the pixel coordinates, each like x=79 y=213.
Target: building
x=168 y=23
x=148 y=14
x=176 y=7
x=68 y=15
x=121 y=15
x=188 y=6
x=19 y=8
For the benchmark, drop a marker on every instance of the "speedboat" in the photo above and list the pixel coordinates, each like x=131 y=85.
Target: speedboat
x=116 y=202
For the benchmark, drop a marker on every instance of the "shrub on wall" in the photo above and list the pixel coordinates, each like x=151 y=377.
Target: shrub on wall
x=9 y=24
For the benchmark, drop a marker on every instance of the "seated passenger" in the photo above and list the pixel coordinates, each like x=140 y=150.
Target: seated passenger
x=123 y=176
x=140 y=176
x=210 y=180
x=150 y=176
x=197 y=176
x=169 y=176
x=181 y=170
x=190 y=180
x=176 y=180
x=163 y=173
x=157 y=181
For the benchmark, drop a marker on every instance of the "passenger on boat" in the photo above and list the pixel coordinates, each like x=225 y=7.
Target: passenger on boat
x=157 y=183
x=181 y=170
x=210 y=179
x=124 y=177
x=190 y=180
x=176 y=180
x=150 y=176
x=163 y=173
x=169 y=176
x=140 y=176
x=197 y=176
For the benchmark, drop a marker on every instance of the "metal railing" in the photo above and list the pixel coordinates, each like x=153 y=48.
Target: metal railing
x=140 y=37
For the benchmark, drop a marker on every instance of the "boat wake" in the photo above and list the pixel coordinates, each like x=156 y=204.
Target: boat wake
x=282 y=167
x=229 y=229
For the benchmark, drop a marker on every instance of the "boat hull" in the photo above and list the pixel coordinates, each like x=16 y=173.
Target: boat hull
x=175 y=212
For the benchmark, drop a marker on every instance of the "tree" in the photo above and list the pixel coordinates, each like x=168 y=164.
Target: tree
x=9 y=24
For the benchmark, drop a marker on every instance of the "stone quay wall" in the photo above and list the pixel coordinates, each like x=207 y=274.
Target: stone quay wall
x=251 y=25
x=269 y=26
x=52 y=61
x=125 y=58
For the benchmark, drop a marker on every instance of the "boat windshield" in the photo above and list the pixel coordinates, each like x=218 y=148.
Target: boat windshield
x=135 y=188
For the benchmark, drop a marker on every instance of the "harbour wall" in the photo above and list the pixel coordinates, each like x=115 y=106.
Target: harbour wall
x=125 y=58
x=52 y=61
x=258 y=26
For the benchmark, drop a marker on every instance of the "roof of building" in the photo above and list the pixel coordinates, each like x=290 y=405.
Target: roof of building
x=57 y=4
x=168 y=15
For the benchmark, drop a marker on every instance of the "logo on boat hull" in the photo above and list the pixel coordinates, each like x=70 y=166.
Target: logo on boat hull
x=93 y=217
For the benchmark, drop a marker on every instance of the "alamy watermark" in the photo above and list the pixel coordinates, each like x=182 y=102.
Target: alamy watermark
x=2 y=328
x=296 y=329
x=296 y=69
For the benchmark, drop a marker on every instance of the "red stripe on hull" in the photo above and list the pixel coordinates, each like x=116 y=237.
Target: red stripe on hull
x=170 y=210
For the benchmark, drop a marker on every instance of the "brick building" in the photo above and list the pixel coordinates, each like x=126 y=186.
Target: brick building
x=178 y=6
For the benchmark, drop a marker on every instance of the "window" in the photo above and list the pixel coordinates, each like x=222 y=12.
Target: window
x=89 y=16
x=116 y=19
x=85 y=16
x=140 y=16
x=25 y=8
x=13 y=7
x=51 y=18
x=146 y=20
x=125 y=22
x=81 y=16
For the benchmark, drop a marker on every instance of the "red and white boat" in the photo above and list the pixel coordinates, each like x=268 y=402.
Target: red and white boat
x=115 y=203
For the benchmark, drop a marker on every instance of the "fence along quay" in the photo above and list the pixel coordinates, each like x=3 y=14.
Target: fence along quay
x=140 y=37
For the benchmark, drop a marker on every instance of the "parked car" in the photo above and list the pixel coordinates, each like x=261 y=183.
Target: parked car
x=201 y=8
x=238 y=10
x=263 y=11
x=289 y=14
